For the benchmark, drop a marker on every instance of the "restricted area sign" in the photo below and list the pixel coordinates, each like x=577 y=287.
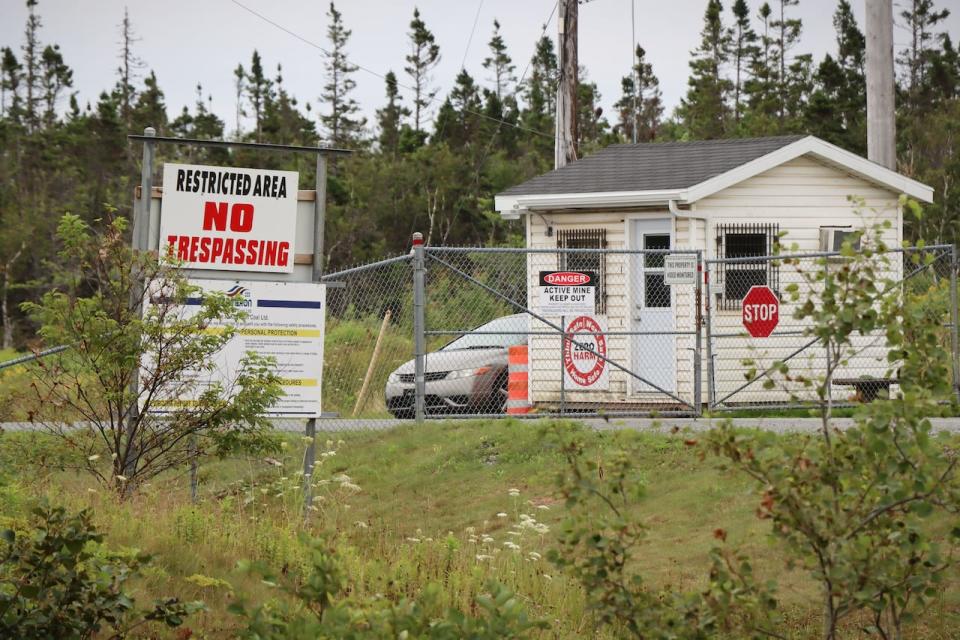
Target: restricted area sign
x=761 y=311
x=582 y=369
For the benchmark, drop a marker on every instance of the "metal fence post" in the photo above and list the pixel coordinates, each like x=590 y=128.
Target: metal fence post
x=139 y=239
x=319 y=224
x=954 y=313
x=708 y=306
x=563 y=377
x=419 y=342
x=698 y=344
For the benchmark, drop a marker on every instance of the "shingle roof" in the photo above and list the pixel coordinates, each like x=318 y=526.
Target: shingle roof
x=651 y=166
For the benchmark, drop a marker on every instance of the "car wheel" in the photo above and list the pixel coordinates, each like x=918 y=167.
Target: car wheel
x=402 y=414
x=502 y=393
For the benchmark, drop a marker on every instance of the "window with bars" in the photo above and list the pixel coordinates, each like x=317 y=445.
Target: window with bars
x=593 y=261
x=740 y=241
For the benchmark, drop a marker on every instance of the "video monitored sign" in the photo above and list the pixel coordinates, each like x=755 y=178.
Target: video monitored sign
x=564 y=293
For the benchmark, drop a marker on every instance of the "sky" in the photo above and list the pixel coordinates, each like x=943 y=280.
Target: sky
x=201 y=41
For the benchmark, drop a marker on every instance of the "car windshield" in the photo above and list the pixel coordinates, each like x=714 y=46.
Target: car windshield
x=488 y=336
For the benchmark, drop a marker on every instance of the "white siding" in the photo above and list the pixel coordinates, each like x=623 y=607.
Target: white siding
x=801 y=196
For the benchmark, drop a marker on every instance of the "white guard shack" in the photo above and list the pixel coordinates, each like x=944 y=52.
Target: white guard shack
x=727 y=198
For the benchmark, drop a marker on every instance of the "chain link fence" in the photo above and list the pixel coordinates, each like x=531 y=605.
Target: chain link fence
x=466 y=332
x=747 y=372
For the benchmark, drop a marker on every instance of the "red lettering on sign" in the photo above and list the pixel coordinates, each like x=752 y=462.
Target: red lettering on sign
x=215 y=216
x=241 y=217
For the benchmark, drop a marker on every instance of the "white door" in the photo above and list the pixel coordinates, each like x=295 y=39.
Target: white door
x=654 y=357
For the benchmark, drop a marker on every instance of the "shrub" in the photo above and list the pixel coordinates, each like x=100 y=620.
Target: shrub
x=57 y=582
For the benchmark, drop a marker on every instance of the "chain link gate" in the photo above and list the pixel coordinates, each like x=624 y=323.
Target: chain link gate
x=919 y=276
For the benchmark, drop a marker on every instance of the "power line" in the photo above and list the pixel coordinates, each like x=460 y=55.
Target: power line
x=375 y=73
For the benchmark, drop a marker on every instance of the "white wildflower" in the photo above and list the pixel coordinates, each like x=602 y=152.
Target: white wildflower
x=328 y=454
x=533 y=555
x=513 y=546
x=360 y=524
x=94 y=457
x=501 y=515
x=414 y=540
x=543 y=507
x=341 y=477
x=514 y=493
x=349 y=486
x=548 y=576
x=481 y=557
x=487 y=539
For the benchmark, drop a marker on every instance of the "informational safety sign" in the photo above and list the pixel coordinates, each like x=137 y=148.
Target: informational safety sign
x=284 y=321
x=229 y=219
x=680 y=269
x=567 y=293
x=582 y=369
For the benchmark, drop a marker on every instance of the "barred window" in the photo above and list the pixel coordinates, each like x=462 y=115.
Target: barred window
x=739 y=241
x=593 y=261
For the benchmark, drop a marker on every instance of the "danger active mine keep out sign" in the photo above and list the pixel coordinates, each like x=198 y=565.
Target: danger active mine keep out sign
x=229 y=219
x=567 y=293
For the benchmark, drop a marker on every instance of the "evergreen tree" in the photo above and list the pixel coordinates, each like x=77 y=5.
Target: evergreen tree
x=592 y=127
x=239 y=86
x=837 y=108
x=282 y=120
x=788 y=32
x=743 y=48
x=259 y=92
x=390 y=117
x=761 y=116
x=456 y=122
x=10 y=74
x=424 y=56
x=640 y=103
x=32 y=51
x=920 y=18
x=341 y=123
x=129 y=65
x=150 y=110
x=499 y=62
x=704 y=109
x=540 y=94
x=55 y=76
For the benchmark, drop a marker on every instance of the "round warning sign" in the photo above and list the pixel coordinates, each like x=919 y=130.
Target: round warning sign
x=581 y=364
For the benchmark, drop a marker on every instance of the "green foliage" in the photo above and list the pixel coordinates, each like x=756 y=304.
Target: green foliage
x=132 y=351
x=57 y=582
x=328 y=612
x=601 y=539
x=850 y=506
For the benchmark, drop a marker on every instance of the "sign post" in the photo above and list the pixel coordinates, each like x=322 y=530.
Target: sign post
x=760 y=311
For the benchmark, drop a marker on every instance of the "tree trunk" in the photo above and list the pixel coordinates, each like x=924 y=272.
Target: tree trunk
x=5 y=299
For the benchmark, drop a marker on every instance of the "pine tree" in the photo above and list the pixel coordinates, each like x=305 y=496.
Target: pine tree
x=129 y=65
x=259 y=91
x=239 y=85
x=55 y=76
x=424 y=56
x=390 y=117
x=341 y=122
x=32 y=52
x=456 y=122
x=761 y=115
x=11 y=71
x=704 y=109
x=641 y=103
x=788 y=32
x=592 y=127
x=499 y=62
x=540 y=95
x=920 y=19
x=743 y=49
x=150 y=110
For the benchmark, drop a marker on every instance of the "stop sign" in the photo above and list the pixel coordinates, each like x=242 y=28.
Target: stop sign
x=761 y=311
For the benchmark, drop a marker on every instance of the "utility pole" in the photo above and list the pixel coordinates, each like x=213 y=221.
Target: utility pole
x=565 y=143
x=633 y=65
x=881 y=119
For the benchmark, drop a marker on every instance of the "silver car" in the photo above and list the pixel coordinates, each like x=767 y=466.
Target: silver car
x=468 y=375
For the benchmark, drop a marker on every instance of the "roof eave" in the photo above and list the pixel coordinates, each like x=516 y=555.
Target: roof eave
x=511 y=206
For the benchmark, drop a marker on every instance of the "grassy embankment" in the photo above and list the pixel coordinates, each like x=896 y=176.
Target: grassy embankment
x=418 y=505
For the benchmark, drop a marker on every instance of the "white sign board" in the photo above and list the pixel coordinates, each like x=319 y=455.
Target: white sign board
x=582 y=369
x=567 y=293
x=286 y=322
x=680 y=269
x=229 y=219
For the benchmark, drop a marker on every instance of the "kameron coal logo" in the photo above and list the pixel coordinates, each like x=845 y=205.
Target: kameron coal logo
x=241 y=296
